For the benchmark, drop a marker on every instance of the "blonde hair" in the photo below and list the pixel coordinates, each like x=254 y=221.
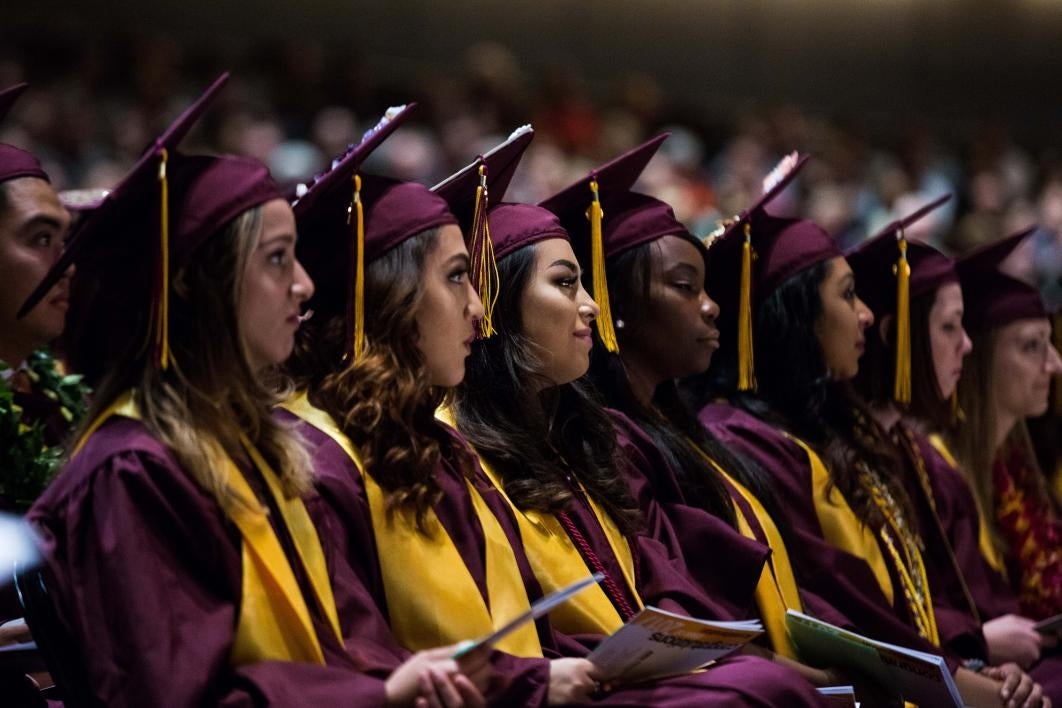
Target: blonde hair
x=210 y=398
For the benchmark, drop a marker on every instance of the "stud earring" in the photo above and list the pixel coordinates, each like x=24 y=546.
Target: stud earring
x=619 y=324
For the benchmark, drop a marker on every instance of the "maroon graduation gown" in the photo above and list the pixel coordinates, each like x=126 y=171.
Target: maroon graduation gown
x=738 y=681
x=990 y=591
x=725 y=563
x=843 y=580
x=145 y=571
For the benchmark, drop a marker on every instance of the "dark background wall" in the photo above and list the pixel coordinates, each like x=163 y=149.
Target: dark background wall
x=950 y=61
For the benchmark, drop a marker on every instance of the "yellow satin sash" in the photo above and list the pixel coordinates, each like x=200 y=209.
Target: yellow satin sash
x=984 y=541
x=557 y=563
x=432 y=599
x=274 y=622
x=776 y=590
x=840 y=526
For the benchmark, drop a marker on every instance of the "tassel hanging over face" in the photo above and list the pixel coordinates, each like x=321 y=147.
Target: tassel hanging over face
x=484 y=275
x=902 y=381
x=605 y=329
x=162 y=300
x=746 y=361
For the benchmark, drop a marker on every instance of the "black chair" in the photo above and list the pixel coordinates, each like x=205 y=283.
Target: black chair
x=59 y=649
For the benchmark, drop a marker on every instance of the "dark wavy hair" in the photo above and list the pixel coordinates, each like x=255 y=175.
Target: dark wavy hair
x=877 y=369
x=382 y=401
x=796 y=393
x=526 y=428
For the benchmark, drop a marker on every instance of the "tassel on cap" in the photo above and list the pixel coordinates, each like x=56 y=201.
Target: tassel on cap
x=902 y=380
x=485 y=278
x=605 y=327
x=162 y=301
x=357 y=334
x=746 y=361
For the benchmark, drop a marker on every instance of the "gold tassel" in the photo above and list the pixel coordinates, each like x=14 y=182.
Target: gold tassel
x=358 y=344
x=162 y=313
x=605 y=328
x=484 y=266
x=746 y=359
x=902 y=382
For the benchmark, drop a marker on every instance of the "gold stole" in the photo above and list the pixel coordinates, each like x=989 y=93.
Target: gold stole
x=849 y=534
x=557 y=563
x=988 y=549
x=776 y=590
x=274 y=622
x=432 y=599
x=840 y=526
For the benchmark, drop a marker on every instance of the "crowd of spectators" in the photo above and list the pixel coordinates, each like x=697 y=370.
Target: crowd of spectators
x=294 y=105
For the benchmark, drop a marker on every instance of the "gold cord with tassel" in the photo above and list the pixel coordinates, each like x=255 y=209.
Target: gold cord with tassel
x=484 y=266
x=902 y=382
x=746 y=360
x=162 y=313
x=358 y=344
x=605 y=327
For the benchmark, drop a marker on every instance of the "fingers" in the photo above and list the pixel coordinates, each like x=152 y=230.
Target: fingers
x=427 y=689
x=1036 y=697
x=474 y=659
x=1023 y=686
x=469 y=692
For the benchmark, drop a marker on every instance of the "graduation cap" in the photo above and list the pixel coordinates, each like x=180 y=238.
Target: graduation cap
x=144 y=230
x=581 y=210
x=890 y=272
x=15 y=162
x=993 y=298
x=347 y=219
x=754 y=254
x=469 y=192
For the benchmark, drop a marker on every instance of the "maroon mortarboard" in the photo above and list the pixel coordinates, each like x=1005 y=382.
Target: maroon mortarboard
x=756 y=253
x=347 y=219
x=991 y=297
x=471 y=192
x=635 y=219
x=16 y=162
x=889 y=271
x=131 y=193
x=581 y=209
x=128 y=246
x=516 y=226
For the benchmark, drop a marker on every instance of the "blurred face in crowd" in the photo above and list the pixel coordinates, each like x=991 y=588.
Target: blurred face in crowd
x=448 y=310
x=33 y=225
x=556 y=312
x=273 y=289
x=677 y=335
x=947 y=337
x=1024 y=362
x=840 y=326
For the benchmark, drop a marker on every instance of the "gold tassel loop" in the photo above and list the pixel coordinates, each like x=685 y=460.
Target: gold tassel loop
x=746 y=360
x=485 y=278
x=605 y=328
x=162 y=311
x=902 y=381
x=358 y=330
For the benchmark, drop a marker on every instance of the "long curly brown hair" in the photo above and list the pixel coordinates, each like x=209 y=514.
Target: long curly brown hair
x=382 y=401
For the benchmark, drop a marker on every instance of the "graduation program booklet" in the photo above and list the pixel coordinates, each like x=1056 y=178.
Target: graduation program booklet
x=1049 y=625
x=655 y=643
x=838 y=696
x=916 y=676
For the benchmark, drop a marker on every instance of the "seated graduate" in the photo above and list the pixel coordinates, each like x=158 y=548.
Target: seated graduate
x=38 y=404
x=394 y=316
x=856 y=537
x=664 y=325
x=551 y=450
x=1007 y=380
x=908 y=377
x=181 y=558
